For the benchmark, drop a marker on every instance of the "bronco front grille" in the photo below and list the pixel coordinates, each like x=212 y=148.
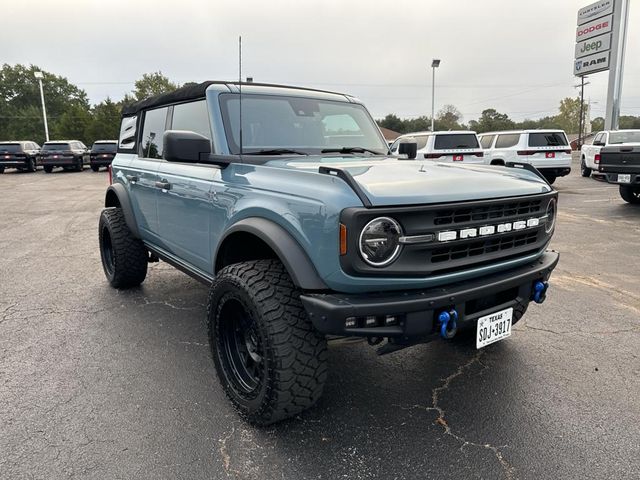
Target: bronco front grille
x=486 y=212
x=477 y=248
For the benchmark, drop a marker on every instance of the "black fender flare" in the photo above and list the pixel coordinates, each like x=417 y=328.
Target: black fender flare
x=122 y=195
x=296 y=261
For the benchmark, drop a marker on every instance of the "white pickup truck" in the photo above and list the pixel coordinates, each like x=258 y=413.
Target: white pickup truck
x=590 y=154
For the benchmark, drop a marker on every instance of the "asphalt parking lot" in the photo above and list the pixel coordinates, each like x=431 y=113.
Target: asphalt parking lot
x=106 y=384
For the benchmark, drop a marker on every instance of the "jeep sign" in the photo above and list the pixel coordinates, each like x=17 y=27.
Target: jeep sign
x=593 y=45
x=595 y=28
x=595 y=10
x=591 y=64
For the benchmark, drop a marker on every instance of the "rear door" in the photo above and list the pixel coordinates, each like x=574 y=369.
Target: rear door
x=185 y=202
x=504 y=147
x=456 y=147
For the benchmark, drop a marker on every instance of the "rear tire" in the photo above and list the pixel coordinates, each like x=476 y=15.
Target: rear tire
x=79 y=165
x=32 y=167
x=270 y=360
x=48 y=169
x=584 y=170
x=1 y=169
x=124 y=258
x=95 y=168
x=630 y=194
x=551 y=177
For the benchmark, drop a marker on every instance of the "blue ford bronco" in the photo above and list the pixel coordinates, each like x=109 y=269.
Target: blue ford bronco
x=288 y=204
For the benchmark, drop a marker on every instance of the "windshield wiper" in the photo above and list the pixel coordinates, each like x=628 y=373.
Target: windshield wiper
x=275 y=151
x=350 y=150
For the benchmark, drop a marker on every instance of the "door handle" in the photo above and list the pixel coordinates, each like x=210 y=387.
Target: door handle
x=131 y=178
x=164 y=185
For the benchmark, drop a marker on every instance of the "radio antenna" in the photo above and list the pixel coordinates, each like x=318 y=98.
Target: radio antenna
x=240 y=88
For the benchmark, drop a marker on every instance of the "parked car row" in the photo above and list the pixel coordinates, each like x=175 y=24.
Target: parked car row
x=547 y=150
x=68 y=154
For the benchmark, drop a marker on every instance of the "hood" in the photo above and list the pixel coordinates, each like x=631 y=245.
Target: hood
x=390 y=181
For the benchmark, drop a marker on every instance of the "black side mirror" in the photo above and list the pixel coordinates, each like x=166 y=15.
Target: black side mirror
x=410 y=149
x=185 y=146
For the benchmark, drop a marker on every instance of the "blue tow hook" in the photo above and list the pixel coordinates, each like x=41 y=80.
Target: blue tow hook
x=540 y=291
x=448 y=324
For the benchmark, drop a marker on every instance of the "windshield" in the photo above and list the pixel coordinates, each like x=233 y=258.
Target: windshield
x=306 y=125
x=103 y=147
x=456 y=140
x=56 y=146
x=547 y=139
x=10 y=147
x=619 y=137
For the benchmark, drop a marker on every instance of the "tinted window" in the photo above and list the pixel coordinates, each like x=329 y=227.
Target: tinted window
x=192 y=116
x=103 y=147
x=56 y=146
x=10 y=147
x=309 y=125
x=152 y=132
x=624 y=137
x=485 y=141
x=506 y=141
x=547 y=139
x=456 y=140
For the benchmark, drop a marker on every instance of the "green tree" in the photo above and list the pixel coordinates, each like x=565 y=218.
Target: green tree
x=448 y=118
x=72 y=124
x=152 y=84
x=392 y=122
x=597 y=124
x=628 y=121
x=105 y=122
x=568 y=119
x=20 y=107
x=490 y=121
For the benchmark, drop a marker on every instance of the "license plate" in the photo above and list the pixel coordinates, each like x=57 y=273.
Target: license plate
x=624 y=177
x=458 y=158
x=494 y=327
x=550 y=155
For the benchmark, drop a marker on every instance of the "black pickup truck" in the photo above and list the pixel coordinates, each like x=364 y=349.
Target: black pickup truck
x=621 y=165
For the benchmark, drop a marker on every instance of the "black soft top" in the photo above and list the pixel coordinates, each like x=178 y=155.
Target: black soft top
x=183 y=94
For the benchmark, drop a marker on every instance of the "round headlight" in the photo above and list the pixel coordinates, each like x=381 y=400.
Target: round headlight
x=551 y=216
x=380 y=241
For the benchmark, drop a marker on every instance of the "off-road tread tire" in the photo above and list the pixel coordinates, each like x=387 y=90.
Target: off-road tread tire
x=584 y=170
x=130 y=255
x=48 y=169
x=295 y=353
x=628 y=195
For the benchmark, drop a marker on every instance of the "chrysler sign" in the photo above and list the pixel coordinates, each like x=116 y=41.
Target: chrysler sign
x=595 y=10
x=591 y=64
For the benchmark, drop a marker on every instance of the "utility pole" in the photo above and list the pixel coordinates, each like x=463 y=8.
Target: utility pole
x=435 y=63
x=39 y=76
x=581 y=123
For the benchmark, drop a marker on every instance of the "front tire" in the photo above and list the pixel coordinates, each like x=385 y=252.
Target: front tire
x=584 y=170
x=124 y=257
x=270 y=360
x=630 y=194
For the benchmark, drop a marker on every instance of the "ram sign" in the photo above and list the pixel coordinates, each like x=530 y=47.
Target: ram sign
x=591 y=64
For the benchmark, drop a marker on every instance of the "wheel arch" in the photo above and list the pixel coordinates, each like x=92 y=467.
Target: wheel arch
x=117 y=197
x=256 y=238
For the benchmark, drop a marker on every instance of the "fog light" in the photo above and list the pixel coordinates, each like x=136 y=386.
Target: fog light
x=391 y=320
x=350 y=322
x=371 y=322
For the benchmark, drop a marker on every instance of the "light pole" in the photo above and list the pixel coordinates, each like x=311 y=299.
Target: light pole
x=435 y=63
x=40 y=76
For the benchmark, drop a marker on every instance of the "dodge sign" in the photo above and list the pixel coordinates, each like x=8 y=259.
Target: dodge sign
x=595 y=28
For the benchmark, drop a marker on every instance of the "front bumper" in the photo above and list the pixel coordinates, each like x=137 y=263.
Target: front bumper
x=416 y=311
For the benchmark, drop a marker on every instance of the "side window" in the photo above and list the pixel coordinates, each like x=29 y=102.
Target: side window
x=394 y=146
x=506 y=141
x=192 y=116
x=605 y=138
x=127 y=137
x=598 y=138
x=152 y=132
x=486 y=140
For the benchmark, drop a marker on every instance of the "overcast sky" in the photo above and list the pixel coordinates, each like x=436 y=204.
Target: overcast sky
x=513 y=55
